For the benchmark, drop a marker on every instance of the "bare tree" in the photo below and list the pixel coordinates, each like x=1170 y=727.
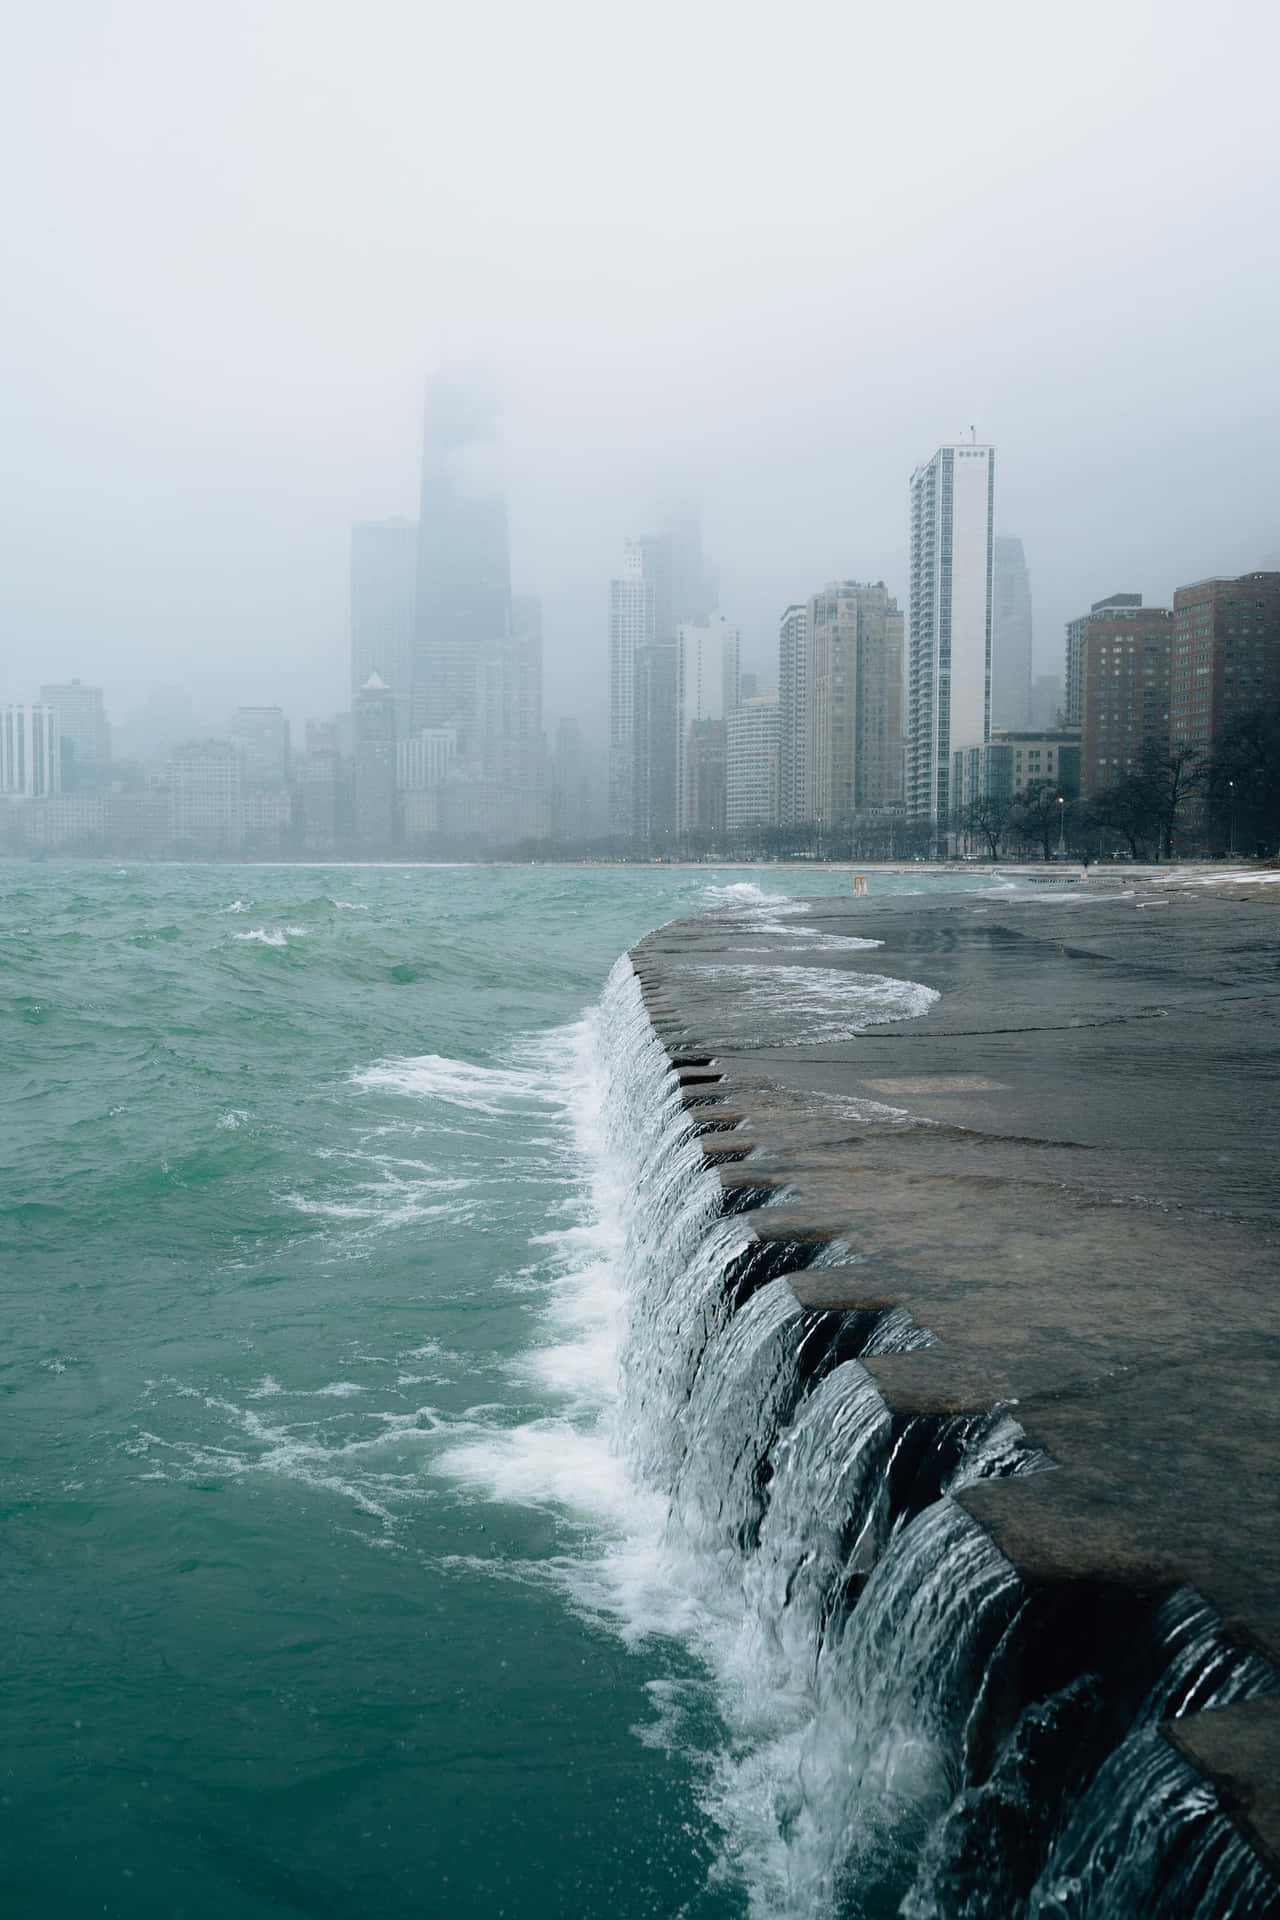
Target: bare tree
x=986 y=818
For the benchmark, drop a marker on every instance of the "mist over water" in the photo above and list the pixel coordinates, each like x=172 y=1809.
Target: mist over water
x=332 y=1591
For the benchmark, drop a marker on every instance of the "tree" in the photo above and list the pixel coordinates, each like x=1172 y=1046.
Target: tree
x=1038 y=818
x=986 y=818
x=1243 y=784
x=1172 y=776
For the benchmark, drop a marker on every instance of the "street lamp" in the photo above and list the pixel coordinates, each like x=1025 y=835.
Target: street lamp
x=1231 y=804
x=1062 y=826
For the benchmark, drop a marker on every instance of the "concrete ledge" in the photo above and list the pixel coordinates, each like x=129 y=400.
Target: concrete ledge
x=1065 y=1173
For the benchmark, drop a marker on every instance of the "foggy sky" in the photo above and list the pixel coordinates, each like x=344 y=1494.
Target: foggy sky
x=764 y=256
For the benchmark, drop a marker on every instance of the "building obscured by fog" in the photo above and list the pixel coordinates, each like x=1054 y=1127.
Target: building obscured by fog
x=707 y=686
x=384 y=568
x=1048 y=701
x=84 y=733
x=1010 y=637
x=260 y=736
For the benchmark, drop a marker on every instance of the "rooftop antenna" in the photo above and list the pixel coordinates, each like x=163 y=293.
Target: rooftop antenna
x=973 y=436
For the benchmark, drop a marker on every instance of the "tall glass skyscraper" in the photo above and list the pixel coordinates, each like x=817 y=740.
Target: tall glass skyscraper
x=462 y=616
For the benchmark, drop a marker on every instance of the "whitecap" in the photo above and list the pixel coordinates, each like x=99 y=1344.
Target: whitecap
x=433 y=1076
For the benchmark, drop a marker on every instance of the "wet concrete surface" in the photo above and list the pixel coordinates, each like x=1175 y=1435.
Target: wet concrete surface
x=1065 y=1170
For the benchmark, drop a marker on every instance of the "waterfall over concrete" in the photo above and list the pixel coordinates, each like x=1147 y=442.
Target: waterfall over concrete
x=912 y=1726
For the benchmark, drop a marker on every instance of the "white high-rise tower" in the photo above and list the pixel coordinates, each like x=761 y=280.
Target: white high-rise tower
x=949 y=677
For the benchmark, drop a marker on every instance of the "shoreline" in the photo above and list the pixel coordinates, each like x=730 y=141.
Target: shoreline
x=1063 y=1172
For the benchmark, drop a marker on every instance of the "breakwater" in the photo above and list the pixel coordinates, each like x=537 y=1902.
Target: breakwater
x=952 y=1345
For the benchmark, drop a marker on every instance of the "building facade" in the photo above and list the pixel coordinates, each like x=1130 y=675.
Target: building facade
x=426 y=759
x=793 y=716
x=462 y=592
x=752 y=734
x=631 y=630
x=853 y=733
x=952 y=559
x=260 y=736
x=30 y=751
x=707 y=677
x=1011 y=636
x=1016 y=765
x=1126 y=665
x=1226 y=656
x=375 y=763
x=83 y=731
x=1117 y=606
x=206 y=800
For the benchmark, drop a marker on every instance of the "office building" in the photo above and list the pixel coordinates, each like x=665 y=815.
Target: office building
x=1016 y=766
x=853 y=733
x=655 y=744
x=462 y=610
x=631 y=629
x=375 y=763
x=1116 y=606
x=952 y=554
x=426 y=759
x=320 y=786
x=707 y=674
x=30 y=754
x=260 y=735
x=1126 y=656
x=751 y=763
x=1226 y=656
x=206 y=801
x=83 y=731
x=1010 y=636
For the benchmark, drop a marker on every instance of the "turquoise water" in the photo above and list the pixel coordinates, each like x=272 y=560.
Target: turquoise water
x=299 y=1226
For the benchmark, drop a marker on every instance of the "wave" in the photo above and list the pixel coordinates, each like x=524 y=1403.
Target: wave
x=800 y=1006
x=271 y=937
x=460 y=1083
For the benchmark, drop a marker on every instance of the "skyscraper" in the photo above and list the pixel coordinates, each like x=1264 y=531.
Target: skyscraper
x=655 y=743
x=384 y=569
x=463 y=592
x=793 y=716
x=1011 y=637
x=952 y=507
x=631 y=628
x=707 y=672
x=83 y=731
x=853 y=736
x=375 y=763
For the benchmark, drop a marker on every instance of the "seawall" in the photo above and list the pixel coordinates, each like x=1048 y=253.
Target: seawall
x=1064 y=1173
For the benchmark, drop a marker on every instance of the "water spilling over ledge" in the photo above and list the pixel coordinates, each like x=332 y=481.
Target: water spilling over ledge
x=939 y=1701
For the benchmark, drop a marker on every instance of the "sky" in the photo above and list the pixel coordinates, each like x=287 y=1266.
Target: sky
x=765 y=257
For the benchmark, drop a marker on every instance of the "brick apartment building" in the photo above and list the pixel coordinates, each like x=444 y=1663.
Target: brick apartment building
x=1226 y=656
x=1126 y=661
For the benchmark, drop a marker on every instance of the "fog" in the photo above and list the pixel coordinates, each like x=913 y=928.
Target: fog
x=764 y=258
